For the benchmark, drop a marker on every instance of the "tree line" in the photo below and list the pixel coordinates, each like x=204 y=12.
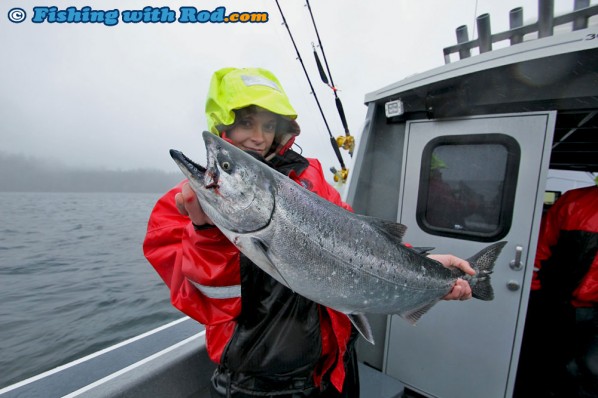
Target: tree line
x=20 y=173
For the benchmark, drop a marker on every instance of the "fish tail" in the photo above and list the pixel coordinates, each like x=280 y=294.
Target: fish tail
x=483 y=264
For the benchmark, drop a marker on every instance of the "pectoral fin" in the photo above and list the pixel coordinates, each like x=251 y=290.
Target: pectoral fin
x=261 y=255
x=362 y=325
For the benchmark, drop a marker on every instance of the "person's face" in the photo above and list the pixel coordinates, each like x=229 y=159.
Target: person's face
x=254 y=131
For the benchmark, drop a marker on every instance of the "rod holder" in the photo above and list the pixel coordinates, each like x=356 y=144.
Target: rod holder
x=516 y=21
x=580 y=22
x=545 y=18
x=484 y=33
x=463 y=37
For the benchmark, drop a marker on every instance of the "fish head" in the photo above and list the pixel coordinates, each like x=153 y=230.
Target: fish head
x=235 y=189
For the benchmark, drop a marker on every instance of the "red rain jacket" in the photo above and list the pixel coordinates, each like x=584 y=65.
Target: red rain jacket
x=182 y=255
x=568 y=244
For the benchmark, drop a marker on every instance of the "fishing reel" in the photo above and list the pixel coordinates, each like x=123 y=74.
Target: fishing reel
x=347 y=142
x=341 y=175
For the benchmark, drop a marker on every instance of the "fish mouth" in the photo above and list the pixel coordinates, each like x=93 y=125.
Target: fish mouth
x=194 y=171
x=186 y=164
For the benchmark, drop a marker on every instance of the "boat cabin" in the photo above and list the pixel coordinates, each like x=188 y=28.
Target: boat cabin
x=461 y=154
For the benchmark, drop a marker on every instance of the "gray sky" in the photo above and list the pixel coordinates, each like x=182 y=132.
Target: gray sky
x=119 y=97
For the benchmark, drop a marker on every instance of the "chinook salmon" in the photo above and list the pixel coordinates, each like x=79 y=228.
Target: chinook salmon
x=352 y=263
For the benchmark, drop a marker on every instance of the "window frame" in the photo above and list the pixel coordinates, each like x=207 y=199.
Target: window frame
x=505 y=214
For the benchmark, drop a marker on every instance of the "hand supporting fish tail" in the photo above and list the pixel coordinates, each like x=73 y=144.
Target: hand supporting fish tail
x=461 y=290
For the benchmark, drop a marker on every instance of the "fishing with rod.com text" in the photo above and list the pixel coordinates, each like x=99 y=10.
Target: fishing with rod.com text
x=147 y=15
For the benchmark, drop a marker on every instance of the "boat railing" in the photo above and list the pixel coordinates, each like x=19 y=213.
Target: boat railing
x=544 y=27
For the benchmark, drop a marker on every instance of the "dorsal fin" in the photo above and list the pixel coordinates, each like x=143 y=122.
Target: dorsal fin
x=393 y=229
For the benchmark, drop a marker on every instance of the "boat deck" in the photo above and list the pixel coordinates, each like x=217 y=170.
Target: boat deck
x=170 y=361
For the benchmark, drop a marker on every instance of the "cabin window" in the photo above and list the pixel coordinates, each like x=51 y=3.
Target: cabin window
x=467 y=186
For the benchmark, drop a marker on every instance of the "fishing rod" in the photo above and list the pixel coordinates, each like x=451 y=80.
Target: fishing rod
x=342 y=175
x=347 y=142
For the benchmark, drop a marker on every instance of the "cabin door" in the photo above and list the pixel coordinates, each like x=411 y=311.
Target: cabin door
x=467 y=184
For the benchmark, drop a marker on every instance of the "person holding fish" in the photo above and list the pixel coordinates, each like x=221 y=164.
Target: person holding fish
x=266 y=339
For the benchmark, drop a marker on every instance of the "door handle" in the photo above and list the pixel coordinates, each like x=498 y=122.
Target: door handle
x=516 y=264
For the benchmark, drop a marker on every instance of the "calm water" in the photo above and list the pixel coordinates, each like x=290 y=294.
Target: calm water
x=73 y=278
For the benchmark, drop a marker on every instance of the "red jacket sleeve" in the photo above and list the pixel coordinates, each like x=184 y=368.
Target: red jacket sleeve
x=549 y=234
x=185 y=258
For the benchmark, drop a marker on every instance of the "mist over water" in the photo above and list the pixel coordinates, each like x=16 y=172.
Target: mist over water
x=73 y=278
x=20 y=173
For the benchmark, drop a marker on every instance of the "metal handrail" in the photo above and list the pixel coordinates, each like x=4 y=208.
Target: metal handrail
x=544 y=26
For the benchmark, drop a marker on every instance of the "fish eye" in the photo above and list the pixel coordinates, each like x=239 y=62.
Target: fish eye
x=226 y=166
